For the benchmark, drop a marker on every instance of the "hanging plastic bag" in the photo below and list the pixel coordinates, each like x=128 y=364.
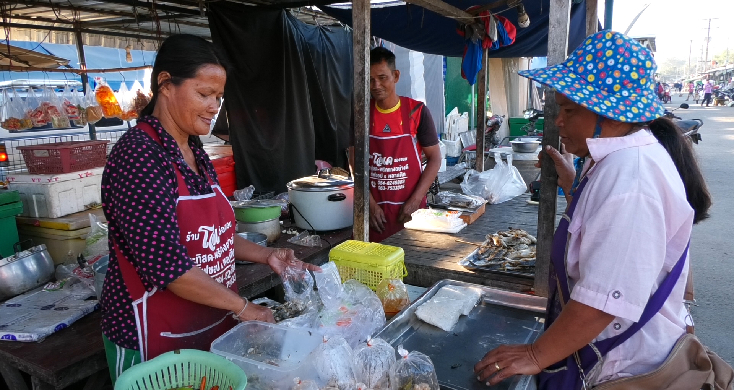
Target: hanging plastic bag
x=372 y=362
x=414 y=371
x=35 y=110
x=394 y=296
x=16 y=117
x=498 y=185
x=55 y=110
x=126 y=104
x=92 y=107
x=298 y=285
x=334 y=363
x=97 y=240
x=329 y=285
x=140 y=99
x=70 y=106
x=107 y=100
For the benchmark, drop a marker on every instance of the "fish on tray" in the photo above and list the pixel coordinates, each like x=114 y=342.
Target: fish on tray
x=507 y=250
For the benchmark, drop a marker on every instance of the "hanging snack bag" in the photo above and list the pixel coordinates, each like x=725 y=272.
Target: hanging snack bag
x=140 y=98
x=70 y=106
x=334 y=363
x=107 y=100
x=15 y=118
x=394 y=296
x=35 y=109
x=413 y=371
x=123 y=96
x=92 y=108
x=372 y=362
x=55 y=111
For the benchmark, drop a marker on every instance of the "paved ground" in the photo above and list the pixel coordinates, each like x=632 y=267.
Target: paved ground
x=712 y=246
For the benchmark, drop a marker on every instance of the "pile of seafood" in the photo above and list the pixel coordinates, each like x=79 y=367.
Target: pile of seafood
x=507 y=250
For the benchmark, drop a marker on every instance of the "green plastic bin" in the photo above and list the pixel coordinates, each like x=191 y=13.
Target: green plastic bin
x=10 y=206
x=516 y=125
x=183 y=368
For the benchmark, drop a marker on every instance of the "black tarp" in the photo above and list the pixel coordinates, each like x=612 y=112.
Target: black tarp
x=418 y=29
x=288 y=95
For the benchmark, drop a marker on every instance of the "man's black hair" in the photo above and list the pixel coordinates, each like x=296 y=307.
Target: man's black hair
x=380 y=54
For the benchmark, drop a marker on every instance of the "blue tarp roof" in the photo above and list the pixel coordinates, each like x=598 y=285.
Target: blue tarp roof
x=96 y=57
x=418 y=29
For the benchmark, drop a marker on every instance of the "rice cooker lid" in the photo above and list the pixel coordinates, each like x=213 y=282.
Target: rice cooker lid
x=322 y=183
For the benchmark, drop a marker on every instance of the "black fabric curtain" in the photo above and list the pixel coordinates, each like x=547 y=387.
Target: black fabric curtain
x=288 y=95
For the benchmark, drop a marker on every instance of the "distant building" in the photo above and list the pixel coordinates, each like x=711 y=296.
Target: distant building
x=648 y=42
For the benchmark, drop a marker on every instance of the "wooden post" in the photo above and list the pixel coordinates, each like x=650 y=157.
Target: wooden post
x=560 y=16
x=481 y=110
x=592 y=17
x=361 y=48
x=85 y=78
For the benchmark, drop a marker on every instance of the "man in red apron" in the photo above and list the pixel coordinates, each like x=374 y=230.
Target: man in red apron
x=401 y=129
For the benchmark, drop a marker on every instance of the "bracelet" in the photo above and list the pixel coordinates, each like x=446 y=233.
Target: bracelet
x=237 y=316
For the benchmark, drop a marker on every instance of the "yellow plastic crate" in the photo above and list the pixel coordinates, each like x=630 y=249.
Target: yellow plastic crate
x=368 y=263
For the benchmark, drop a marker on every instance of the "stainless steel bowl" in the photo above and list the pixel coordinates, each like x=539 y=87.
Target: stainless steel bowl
x=270 y=228
x=257 y=238
x=24 y=271
x=524 y=146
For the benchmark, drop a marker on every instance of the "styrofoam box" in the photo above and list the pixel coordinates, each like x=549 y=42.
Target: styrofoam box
x=53 y=178
x=54 y=196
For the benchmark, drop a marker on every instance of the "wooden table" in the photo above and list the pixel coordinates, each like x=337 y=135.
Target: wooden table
x=430 y=257
x=77 y=352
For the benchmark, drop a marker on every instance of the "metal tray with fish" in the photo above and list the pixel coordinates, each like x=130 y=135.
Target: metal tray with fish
x=501 y=317
x=521 y=268
x=511 y=251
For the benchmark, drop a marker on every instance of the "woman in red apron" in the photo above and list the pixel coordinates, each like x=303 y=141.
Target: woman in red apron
x=171 y=280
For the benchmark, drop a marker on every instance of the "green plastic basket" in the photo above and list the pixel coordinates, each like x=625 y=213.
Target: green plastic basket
x=183 y=368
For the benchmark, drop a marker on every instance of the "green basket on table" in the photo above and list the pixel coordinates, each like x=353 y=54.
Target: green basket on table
x=183 y=368
x=368 y=263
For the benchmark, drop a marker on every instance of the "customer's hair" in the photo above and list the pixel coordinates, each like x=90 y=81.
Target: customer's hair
x=680 y=150
x=380 y=54
x=181 y=56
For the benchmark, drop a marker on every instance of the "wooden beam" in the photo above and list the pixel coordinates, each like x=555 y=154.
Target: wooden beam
x=361 y=37
x=481 y=110
x=592 y=16
x=71 y=70
x=558 y=27
x=443 y=9
x=88 y=31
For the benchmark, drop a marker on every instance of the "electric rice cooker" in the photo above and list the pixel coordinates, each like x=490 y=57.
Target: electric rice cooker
x=322 y=202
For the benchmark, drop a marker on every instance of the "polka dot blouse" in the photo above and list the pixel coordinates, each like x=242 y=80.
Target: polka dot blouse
x=139 y=192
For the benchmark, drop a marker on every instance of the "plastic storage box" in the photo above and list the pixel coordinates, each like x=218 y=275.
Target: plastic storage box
x=63 y=245
x=516 y=125
x=64 y=157
x=10 y=206
x=271 y=355
x=368 y=262
x=54 y=196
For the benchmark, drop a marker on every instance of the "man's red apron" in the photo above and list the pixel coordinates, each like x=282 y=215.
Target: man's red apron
x=395 y=162
x=166 y=322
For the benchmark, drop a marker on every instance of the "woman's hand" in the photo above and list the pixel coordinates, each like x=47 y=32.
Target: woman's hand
x=280 y=258
x=511 y=360
x=255 y=312
x=564 y=167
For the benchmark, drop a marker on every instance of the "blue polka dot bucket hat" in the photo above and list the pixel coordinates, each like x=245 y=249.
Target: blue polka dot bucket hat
x=610 y=74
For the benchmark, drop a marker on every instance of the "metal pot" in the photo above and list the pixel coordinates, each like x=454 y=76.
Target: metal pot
x=322 y=202
x=525 y=146
x=24 y=271
x=270 y=228
x=257 y=238
x=252 y=211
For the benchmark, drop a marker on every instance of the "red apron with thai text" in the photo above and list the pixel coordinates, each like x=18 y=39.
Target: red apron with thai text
x=166 y=322
x=395 y=162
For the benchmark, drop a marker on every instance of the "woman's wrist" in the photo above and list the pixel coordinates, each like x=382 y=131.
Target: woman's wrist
x=245 y=303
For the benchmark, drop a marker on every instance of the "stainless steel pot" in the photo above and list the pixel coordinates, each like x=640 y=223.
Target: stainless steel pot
x=24 y=271
x=525 y=146
x=270 y=228
x=322 y=202
x=257 y=238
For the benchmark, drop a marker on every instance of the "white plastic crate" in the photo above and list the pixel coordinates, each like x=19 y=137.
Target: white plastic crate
x=54 y=196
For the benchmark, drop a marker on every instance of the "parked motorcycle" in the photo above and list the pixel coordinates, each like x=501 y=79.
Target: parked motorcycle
x=688 y=126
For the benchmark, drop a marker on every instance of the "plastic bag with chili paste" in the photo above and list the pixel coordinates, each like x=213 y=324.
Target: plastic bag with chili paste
x=394 y=296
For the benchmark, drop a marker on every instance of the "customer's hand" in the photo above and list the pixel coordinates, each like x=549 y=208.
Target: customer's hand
x=506 y=361
x=280 y=258
x=255 y=312
x=564 y=167
x=377 y=217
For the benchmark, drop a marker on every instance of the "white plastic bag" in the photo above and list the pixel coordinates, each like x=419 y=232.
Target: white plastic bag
x=298 y=285
x=372 y=361
x=329 y=285
x=334 y=363
x=497 y=185
x=358 y=293
x=304 y=384
x=413 y=371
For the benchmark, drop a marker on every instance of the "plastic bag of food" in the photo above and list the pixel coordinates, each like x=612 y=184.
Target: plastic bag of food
x=497 y=185
x=107 y=100
x=55 y=110
x=91 y=107
x=441 y=312
x=334 y=363
x=413 y=371
x=356 y=293
x=305 y=239
x=372 y=362
x=70 y=104
x=298 y=285
x=329 y=285
x=300 y=384
x=97 y=240
x=126 y=103
x=394 y=296
x=35 y=109
x=466 y=295
x=244 y=194
x=140 y=98
x=16 y=117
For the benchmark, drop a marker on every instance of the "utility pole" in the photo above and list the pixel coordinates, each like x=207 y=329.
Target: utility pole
x=708 y=39
x=690 y=47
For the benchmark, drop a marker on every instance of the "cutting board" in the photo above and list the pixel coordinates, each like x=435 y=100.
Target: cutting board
x=69 y=222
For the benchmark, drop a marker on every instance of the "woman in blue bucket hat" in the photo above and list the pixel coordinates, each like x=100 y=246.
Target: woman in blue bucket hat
x=619 y=257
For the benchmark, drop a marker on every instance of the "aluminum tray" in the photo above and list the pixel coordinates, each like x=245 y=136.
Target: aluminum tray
x=501 y=317
x=475 y=254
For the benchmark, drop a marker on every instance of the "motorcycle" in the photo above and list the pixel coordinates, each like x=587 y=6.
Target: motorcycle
x=688 y=126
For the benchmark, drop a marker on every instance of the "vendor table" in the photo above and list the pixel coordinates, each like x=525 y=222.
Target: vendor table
x=77 y=352
x=431 y=257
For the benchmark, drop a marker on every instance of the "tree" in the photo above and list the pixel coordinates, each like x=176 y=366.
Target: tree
x=672 y=69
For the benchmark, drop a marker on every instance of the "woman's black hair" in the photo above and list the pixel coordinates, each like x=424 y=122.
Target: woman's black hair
x=181 y=56
x=680 y=149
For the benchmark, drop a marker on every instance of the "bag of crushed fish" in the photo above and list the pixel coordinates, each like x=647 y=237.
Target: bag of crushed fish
x=372 y=361
x=413 y=370
x=334 y=363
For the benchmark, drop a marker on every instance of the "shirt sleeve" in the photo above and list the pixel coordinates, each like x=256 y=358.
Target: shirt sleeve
x=426 y=132
x=141 y=191
x=620 y=258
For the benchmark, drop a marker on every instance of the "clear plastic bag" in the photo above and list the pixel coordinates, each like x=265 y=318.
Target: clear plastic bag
x=35 y=109
x=358 y=294
x=298 y=285
x=300 y=384
x=372 y=361
x=55 y=110
x=329 y=285
x=70 y=104
x=140 y=98
x=15 y=116
x=413 y=371
x=91 y=107
x=305 y=239
x=97 y=240
x=108 y=101
x=441 y=312
x=334 y=363
x=394 y=296
x=244 y=194
x=499 y=184
x=124 y=97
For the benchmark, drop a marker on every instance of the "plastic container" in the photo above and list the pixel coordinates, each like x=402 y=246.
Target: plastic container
x=451 y=161
x=54 y=199
x=63 y=245
x=224 y=166
x=64 y=157
x=182 y=368
x=271 y=355
x=368 y=262
x=8 y=227
x=516 y=125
